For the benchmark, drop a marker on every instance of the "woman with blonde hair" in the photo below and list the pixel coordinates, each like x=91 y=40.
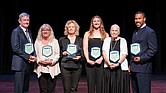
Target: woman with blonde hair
x=92 y=44
x=48 y=53
x=71 y=56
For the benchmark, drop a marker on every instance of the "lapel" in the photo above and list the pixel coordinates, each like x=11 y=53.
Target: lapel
x=22 y=34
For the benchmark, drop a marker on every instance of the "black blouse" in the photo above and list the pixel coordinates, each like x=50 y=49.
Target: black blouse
x=64 y=60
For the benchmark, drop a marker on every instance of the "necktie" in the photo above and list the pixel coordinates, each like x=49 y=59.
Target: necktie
x=27 y=35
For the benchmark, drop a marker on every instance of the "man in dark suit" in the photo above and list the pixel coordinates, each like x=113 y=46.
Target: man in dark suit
x=143 y=49
x=23 y=54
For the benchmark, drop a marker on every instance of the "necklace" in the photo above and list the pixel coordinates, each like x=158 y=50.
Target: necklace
x=113 y=47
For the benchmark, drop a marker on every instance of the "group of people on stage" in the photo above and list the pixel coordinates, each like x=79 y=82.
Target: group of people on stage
x=103 y=54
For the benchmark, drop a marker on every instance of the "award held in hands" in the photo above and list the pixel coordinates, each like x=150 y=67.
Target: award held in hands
x=72 y=50
x=47 y=50
x=114 y=56
x=95 y=52
x=135 y=48
x=29 y=48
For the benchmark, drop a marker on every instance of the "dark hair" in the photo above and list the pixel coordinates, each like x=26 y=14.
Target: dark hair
x=140 y=12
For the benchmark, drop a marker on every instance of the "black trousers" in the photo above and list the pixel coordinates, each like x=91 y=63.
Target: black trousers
x=70 y=79
x=47 y=83
x=94 y=77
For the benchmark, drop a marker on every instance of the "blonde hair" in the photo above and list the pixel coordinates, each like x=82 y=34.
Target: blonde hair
x=101 y=28
x=76 y=26
x=45 y=27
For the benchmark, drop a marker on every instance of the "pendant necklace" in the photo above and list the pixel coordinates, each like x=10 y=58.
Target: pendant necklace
x=113 y=46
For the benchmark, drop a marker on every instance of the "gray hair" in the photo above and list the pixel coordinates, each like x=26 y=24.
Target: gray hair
x=23 y=14
x=115 y=25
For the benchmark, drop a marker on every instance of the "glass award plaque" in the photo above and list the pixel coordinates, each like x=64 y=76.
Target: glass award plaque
x=114 y=56
x=47 y=50
x=95 y=52
x=135 y=48
x=29 y=48
x=71 y=50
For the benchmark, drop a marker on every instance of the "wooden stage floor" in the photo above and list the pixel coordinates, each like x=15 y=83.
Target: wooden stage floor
x=6 y=84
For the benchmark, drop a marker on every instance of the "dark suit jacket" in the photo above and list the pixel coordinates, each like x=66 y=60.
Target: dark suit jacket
x=147 y=39
x=20 y=57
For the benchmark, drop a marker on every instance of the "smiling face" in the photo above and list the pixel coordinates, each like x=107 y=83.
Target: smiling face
x=71 y=28
x=96 y=22
x=46 y=32
x=139 y=20
x=24 y=21
x=114 y=31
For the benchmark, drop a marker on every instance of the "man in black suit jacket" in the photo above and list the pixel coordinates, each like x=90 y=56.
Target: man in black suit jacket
x=143 y=49
x=23 y=54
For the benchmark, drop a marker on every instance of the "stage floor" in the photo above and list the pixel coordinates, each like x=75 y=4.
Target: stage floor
x=6 y=84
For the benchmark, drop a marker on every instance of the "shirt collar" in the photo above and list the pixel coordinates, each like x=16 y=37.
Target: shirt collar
x=24 y=29
x=143 y=25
